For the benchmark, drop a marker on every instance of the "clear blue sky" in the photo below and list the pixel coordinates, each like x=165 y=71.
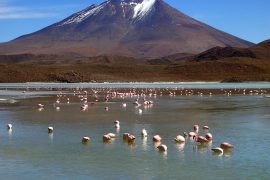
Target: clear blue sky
x=248 y=19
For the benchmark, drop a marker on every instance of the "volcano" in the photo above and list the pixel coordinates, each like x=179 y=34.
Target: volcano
x=136 y=28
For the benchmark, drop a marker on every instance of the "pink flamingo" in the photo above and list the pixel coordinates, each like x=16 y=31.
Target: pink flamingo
x=202 y=139
x=85 y=140
x=106 y=138
x=195 y=132
x=209 y=136
x=179 y=139
x=125 y=136
x=157 y=138
x=226 y=146
x=131 y=139
x=162 y=148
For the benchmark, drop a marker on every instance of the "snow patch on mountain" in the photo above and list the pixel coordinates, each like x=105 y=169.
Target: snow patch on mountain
x=141 y=9
x=79 y=17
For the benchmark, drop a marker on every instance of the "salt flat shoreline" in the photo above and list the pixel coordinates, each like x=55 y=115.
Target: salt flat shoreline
x=146 y=85
x=201 y=88
x=23 y=92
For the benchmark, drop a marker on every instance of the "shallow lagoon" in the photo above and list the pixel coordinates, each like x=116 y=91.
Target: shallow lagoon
x=28 y=152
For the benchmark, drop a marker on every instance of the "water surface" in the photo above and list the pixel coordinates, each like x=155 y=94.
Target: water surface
x=29 y=152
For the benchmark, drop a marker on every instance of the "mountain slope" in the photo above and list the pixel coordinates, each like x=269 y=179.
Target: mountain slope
x=138 y=28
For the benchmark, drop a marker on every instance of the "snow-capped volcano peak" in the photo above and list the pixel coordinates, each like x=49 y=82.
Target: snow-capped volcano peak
x=140 y=8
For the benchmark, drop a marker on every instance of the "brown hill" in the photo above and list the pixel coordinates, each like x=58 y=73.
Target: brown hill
x=226 y=52
x=259 y=51
x=218 y=64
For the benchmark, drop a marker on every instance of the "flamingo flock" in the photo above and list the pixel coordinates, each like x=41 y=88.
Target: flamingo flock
x=131 y=139
x=142 y=100
x=157 y=140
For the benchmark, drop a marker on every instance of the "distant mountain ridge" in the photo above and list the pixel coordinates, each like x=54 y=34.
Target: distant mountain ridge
x=135 y=28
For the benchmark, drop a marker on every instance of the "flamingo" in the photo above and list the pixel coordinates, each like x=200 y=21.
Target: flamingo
x=157 y=138
x=195 y=132
x=202 y=139
x=106 y=138
x=125 y=136
x=226 y=146
x=50 y=129
x=40 y=105
x=162 y=148
x=112 y=135
x=85 y=140
x=217 y=150
x=84 y=107
x=9 y=126
x=144 y=133
x=131 y=138
x=40 y=109
x=117 y=124
x=179 y=139
x=147 y=102
x=209 y=136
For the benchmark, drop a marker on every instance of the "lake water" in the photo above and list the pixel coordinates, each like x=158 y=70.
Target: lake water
x=29 y=152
